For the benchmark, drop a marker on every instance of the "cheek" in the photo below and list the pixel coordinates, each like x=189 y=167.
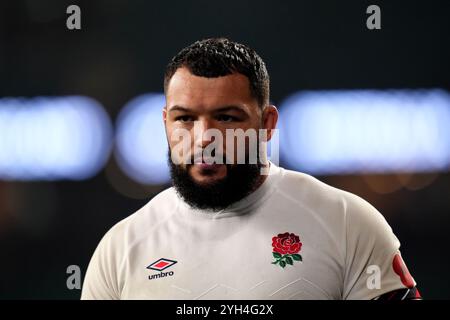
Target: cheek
x=239 y=149
x=177 y=136
x=181 y=144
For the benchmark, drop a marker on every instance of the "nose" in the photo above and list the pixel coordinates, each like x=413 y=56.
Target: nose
x=202 y=136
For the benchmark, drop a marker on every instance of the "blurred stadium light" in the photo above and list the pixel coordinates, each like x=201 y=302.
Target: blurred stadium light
x=141 y=144
x=366 y=131
x=321 y=132
x=52 y=138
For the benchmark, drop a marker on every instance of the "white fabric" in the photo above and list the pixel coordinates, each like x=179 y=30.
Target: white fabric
x=228 y=255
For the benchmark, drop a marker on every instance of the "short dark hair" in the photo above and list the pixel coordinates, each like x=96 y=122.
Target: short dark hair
x=217 y=57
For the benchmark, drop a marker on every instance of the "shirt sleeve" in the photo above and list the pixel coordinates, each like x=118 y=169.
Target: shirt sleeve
x=100 y=282
x=373 y=265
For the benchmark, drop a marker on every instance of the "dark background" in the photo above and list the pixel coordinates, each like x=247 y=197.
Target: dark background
x=121 y=52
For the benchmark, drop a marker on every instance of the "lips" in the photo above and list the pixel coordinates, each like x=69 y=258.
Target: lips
x=206 y=166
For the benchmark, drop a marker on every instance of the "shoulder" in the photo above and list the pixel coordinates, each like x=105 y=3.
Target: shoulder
x=157 y=209
x=130 y=229
x=104 y=277
x=327 y=201
x=310 y=193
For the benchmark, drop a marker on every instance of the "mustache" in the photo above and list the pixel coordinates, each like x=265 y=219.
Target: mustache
x=201 y=156
x=214 y=156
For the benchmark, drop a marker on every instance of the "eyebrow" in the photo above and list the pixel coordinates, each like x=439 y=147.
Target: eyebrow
x=178 y=108
x=221 y=109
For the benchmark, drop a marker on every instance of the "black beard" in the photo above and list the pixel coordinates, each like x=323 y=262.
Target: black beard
x=240 y=181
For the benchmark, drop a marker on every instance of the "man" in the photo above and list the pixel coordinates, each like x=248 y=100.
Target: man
x=229 y=230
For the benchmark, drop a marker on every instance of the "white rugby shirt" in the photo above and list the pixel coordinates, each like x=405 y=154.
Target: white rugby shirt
x=293 y=238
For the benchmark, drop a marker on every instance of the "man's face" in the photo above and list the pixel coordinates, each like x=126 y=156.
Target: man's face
x=198 y=104
x=220 y=103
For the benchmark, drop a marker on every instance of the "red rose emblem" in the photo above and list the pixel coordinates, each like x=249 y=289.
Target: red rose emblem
x=286 y=247
x=286 y=243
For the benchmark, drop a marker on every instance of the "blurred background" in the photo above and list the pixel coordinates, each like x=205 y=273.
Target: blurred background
x=82 y=145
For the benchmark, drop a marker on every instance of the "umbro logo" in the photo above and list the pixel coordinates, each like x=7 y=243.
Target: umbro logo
x=160 y=265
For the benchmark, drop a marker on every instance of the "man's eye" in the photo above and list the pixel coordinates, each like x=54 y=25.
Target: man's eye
x=183 y=118
x=226 y=118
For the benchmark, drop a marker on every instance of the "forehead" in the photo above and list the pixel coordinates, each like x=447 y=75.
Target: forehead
x=190 y=90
